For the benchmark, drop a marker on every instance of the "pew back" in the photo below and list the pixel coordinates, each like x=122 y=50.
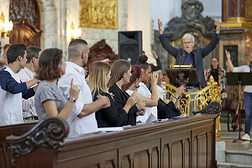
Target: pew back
x=188 y=143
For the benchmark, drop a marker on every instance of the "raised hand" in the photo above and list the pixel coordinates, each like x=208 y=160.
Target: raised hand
x=227 y=54
x=180 y=91
x=229 y=64
x=153 y=79
x=154 y=54
x=74 y=91
x=218 y=25
x=160 y=78
x=160 y=26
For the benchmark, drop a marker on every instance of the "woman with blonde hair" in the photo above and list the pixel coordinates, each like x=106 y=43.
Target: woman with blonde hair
x=99 y=75
x=132 y=105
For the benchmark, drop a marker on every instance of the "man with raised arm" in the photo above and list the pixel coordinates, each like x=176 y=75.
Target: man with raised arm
x=188 y=56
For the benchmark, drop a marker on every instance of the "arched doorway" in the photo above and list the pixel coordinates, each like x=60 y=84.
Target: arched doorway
x=25 y=15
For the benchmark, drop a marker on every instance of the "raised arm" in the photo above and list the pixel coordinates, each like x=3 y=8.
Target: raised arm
x=213 y=41
x=229 y=63
x=153 y=101
x=165 y=43
x=159 y=65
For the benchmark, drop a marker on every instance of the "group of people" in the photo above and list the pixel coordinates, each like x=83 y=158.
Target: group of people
x=42 y=84
x=116 y=95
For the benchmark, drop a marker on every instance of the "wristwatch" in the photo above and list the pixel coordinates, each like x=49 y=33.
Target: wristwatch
x=72 y=100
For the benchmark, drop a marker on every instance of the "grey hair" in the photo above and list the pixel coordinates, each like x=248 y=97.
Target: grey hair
x=188 y=35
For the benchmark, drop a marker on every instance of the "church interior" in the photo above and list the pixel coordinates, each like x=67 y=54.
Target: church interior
x=215 y=110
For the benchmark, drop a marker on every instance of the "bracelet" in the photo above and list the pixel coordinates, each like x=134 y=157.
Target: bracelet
x=72 y=100
x=137 y=86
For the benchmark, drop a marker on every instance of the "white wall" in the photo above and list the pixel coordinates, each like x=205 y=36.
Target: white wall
x=212 y=8
x=139 y=18
x=167 y=9
x=164 y=10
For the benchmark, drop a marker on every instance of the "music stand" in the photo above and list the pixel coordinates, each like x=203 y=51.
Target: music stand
x=190 y=76
x=240 y=79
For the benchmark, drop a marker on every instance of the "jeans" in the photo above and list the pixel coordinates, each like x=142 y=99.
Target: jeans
x=248 y=111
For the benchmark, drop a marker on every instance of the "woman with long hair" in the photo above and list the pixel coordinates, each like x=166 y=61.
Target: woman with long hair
x=218 y=75
x=150 y=98
x=120 y=75
x=49 y=101
x=99 y=75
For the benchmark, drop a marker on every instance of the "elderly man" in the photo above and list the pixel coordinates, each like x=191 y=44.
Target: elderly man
x=188 y=56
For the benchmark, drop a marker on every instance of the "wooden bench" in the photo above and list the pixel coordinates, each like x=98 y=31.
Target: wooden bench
x=18 y=129
x=187 y=142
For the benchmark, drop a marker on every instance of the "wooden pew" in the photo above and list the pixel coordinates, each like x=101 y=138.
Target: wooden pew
x=188 y=142
x=18 y=129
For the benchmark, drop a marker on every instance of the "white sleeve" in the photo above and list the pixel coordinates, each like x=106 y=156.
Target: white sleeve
x=160 y=91
x=129 y=92
x=64 y=86
x=243 y=68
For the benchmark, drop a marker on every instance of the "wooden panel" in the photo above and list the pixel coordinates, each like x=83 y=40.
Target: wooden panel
x=166 y=156
x=2 y=156
x=175 y=149
x=209 y=148
x=155 y=155
x=183 y=143
x=202 y=150
x=187 y=150
x=100 y=160
x=36 y=159
x=195 y=151
x=176 y=152
x=140 y=155
x=18 y=129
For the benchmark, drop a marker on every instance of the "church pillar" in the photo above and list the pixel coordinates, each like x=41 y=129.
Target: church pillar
x=233 y=13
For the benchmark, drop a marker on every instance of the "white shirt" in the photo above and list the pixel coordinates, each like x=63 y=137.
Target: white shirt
x=28 y=105
x=78 y=125
x=144 y=91
x=244 y=68
x=11 y=104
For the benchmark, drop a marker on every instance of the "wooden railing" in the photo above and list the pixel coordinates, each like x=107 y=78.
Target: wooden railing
x=187 y=142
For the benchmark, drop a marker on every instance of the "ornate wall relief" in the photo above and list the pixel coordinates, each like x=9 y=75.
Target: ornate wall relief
x=101 y=14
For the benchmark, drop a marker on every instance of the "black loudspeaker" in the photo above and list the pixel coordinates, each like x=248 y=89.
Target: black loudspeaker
x=130 y=45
